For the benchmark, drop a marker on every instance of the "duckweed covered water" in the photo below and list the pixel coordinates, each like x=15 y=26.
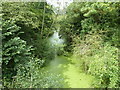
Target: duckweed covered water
x=74 y=77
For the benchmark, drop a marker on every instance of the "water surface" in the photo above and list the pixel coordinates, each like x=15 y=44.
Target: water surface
x=73 y=75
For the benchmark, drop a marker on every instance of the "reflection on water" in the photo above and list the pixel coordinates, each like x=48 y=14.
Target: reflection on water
x=56 y=42
x=55 y=39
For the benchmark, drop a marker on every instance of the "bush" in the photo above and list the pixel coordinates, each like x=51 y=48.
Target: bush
x=39 y=79
x=98 y=59
x=13 y=51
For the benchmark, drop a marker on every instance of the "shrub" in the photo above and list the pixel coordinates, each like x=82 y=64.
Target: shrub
x=99 y=59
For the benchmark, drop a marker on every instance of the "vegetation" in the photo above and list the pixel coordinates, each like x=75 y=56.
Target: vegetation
x=25 y=30
x=90 y=49
x=91 y=31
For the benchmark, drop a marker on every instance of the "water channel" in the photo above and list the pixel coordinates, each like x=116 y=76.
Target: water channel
x=62 y=65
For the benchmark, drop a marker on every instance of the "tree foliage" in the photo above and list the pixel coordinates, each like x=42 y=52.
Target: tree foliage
x=91 y=30
x=14 y=49
x=81 y=18
x=29 y=17
x=25 y=45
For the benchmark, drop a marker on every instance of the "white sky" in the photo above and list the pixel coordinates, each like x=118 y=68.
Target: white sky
x=62 y=3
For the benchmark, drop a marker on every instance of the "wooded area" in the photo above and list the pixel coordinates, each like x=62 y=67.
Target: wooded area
x=86 y=49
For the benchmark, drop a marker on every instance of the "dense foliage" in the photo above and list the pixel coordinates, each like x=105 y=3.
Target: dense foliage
x=91 y=31
x=35 y=20
x=26 y=28
x=14 y=49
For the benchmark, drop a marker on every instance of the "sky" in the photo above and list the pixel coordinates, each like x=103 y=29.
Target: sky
x=55 y=3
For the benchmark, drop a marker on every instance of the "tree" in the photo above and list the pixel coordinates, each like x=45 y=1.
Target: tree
x=13 y=51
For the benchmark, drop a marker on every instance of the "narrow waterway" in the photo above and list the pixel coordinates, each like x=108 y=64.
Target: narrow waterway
x=74 y=76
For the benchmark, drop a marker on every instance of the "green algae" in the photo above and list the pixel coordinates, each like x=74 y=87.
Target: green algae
x=74 y=76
